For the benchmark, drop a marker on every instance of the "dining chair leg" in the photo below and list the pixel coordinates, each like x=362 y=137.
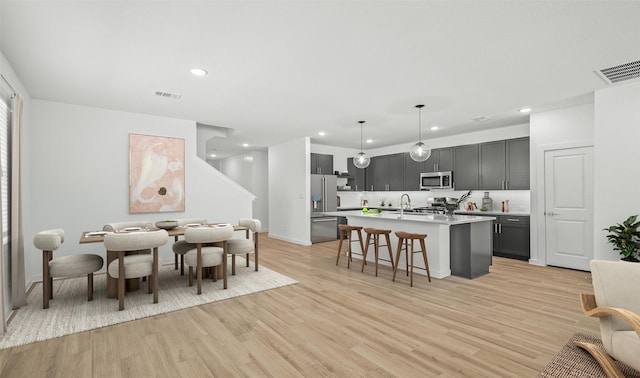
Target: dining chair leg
x=199 y=269
x=120 y=281
x=155 y=275
x=182 y=265
x=233 y=265
x=411 y=279
x=246 y=259
x=224 y=263
x=149 y=287
x=175 y=261
x=190 y=276
x=90 y=286
x=255 y=251
x=45 y=279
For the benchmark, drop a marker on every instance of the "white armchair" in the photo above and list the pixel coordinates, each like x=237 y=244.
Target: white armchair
x=617 y=304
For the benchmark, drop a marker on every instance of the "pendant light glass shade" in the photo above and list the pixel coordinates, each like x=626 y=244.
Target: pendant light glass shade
x=420 y=151
x=361 y=160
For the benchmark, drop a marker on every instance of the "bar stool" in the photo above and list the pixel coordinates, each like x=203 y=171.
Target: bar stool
x=345 y=231
x=403 y=238
x=374 y=233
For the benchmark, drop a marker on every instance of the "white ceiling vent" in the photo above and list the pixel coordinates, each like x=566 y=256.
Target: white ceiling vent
x=481 y=119
x=168 y=95
x=619 y=73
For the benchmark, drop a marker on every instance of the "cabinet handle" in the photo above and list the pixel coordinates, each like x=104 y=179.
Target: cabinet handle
x=500 y=227
x=495 y=228
x=356 y=188
x=506 y=184
x=372 y=188
x=513 y=220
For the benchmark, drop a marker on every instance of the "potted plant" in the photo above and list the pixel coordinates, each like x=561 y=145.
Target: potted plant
x=625 y=238
x=454 y=205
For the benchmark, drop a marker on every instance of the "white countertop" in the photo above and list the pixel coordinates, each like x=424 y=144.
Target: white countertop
x=427 y=218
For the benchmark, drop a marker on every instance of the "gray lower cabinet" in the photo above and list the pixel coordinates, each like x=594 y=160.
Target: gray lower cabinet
x=356 y=176
x=466 y=168
x=470 y=249
x=511 y=237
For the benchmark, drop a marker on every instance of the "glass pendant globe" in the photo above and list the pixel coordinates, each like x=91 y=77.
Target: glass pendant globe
x=361 y=160
x=419 y=152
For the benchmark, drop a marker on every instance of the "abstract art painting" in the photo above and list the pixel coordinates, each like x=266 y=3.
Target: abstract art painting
x=156 y=174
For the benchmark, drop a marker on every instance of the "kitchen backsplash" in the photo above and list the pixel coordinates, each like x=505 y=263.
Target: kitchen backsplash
x=519 y=200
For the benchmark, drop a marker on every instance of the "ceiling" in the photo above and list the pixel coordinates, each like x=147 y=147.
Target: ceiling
x=279 y=70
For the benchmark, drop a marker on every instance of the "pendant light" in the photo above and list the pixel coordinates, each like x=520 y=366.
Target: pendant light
x=361 y=160
x=420 y=151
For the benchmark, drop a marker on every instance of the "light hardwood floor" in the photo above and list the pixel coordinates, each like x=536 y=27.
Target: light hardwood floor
x=337 y=322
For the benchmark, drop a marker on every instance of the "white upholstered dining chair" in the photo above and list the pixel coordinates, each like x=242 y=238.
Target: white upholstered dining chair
x=136 y=265
x=246 y=245
x=180 y=247
x=205 y=254
x=616 y=302
x=64 y=266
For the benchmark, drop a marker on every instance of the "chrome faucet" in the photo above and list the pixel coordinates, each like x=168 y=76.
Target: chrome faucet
x=405 y=205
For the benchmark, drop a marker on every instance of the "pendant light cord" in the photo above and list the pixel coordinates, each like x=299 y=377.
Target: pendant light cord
x=361 y=122
x=419 y=122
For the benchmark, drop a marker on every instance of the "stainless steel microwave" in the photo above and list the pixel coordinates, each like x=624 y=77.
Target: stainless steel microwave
x=436 y=180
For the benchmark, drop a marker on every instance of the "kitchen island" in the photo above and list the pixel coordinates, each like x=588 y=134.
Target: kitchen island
x=459 y=245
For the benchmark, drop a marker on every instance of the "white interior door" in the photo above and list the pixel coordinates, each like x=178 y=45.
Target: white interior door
x=569 y=207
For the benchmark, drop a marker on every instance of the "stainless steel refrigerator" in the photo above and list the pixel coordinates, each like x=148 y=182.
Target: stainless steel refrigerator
x=323 y=199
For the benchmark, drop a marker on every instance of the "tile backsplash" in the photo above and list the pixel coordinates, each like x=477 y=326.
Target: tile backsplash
x=519 y=200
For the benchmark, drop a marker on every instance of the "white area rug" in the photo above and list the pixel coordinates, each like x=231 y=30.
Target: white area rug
x=69 y=312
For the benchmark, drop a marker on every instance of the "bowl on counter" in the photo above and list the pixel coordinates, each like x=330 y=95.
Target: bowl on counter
x=167 y=224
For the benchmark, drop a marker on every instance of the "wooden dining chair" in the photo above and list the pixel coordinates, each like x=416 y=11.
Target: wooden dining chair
x=210 y=251
x=247 y=245
x=63 y=266
x=180 y=247
x=136 y=265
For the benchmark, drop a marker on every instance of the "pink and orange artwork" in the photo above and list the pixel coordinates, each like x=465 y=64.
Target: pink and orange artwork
x=156 y=174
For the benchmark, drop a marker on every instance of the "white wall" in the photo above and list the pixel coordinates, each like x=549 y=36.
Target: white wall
x=79 y=174
x=563 y=128
x=289 y=191
x=617 y=171
x=250 y=170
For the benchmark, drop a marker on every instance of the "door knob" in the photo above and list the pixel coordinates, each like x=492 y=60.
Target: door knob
x=550 y=213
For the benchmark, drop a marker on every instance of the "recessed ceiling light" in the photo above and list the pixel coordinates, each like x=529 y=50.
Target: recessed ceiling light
x=434 y=128
x=321 y=133
x=369 y=140
x=212 y=155
x=245 y=144
x=525 y=110
x=198 y=71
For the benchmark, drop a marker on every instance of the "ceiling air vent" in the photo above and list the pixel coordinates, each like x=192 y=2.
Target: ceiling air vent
x=480 y=119
x=619 y=73
x=168 y=95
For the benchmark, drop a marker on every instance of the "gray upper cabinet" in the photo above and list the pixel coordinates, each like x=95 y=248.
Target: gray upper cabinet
x=386 y=172
x=321 y=164
x=412 y=170
x=504 y=164
x=492 y=165
x=517 y=169
x=441 y=160
x=356 y=176
x=396 y=172
x=466 y=169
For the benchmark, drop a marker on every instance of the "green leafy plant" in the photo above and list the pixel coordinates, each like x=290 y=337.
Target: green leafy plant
x=453 y=206
x=625 y=238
